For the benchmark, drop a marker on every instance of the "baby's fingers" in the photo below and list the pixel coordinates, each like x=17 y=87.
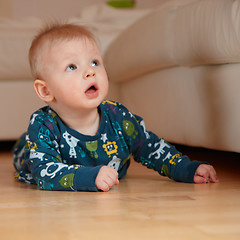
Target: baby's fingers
x=106 y=178
x=104 y=186
x=210 y=173
x=205 y=173
x=200 y=179
x=108 y=182
x=112 y=179
x=213 y=175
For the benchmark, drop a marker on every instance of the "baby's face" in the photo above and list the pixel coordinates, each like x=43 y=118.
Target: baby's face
x=75 y=74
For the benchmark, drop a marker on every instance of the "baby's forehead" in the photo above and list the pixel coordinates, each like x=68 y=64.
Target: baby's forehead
x=67 y=48
x=65 y=42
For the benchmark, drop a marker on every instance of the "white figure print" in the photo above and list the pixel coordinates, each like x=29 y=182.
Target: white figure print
x=115 y=163
x=33 y=118
x=104 y=137
x=144 y=129
x=169 y=155
x=18 y=158
x=35 y=154
x=52 y=169
x=72 y=142
x=162 y=144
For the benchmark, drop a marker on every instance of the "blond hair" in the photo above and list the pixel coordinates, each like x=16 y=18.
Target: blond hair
x=52 y=34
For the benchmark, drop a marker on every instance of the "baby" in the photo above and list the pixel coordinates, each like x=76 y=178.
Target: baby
x=80 y=141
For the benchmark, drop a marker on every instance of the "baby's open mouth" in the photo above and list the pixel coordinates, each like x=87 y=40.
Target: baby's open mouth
x=92 y=88
x=92 y=91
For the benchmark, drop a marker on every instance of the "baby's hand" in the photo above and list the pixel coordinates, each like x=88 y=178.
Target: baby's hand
x=106 y=178
x=205 y=173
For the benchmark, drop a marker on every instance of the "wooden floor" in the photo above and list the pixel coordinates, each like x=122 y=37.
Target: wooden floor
x=144 y=206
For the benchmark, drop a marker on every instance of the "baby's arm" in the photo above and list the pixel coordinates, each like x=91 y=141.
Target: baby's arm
x=205 y=173
x=44 y=159
x=106 y=178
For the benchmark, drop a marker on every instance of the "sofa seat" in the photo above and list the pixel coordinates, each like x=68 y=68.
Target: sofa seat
x=178 y=67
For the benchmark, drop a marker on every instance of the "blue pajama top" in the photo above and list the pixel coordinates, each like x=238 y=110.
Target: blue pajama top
x=56 y=157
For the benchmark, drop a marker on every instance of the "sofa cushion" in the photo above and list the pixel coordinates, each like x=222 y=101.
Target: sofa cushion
x=15 y=39
x=186 y=32
x=207 y=32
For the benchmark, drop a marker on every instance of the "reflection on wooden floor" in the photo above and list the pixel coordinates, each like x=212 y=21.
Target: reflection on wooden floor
x=144 y=206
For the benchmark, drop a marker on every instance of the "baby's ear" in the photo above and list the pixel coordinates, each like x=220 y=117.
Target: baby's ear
x=42 y=91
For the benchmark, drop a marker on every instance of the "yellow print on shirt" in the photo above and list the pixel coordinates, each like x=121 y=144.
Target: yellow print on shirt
x=173 y=160
x=110 y=148
x=31 y=145
x=111 y=102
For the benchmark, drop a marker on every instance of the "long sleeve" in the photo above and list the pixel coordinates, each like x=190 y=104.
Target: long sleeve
x=42 y=155
x=155 y=153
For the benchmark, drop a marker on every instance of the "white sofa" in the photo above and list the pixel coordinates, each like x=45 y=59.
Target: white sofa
x=176 y=66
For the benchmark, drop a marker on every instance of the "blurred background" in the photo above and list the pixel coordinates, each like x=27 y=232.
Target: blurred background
x=46 y=9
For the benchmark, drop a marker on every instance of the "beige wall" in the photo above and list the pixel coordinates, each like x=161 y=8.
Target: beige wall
x=6 y=8
x=51 y=9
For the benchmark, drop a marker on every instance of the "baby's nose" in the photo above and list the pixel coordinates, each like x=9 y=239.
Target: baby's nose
x=89 y=73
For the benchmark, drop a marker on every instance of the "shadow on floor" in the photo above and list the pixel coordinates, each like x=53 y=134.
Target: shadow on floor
x=229 y=161
x=6 y=146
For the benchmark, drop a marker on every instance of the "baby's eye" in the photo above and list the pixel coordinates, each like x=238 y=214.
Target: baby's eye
x=94 y=63
x=71 y=67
